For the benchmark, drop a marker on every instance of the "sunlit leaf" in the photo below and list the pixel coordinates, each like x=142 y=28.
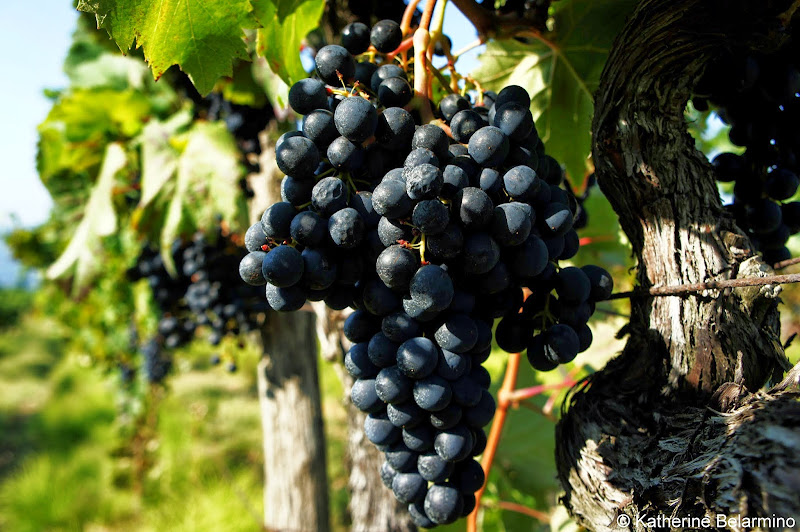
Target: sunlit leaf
x=99 y=220
x=285 y=24
x=203 y=37
x=159 y=157
x=561 y=71
x=206 y=186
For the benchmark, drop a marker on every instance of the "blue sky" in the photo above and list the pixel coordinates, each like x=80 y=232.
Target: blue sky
x=33 y=44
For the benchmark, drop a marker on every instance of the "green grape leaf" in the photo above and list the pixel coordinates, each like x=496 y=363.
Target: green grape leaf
x=561 y=73
x=276 y=89
x=285 y=23
x=110 y=71
x=206 y=186
x=74 y=134
x=159 y=157
x=202 y=37
x=99 y=220
x=243 y=89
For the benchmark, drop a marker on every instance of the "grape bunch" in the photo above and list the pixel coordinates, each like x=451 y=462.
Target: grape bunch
x=429 y=232
x=206 y=292
x=759 y=97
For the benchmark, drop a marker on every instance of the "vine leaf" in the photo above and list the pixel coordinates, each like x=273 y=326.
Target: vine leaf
x=159 y=157
x=285 y=23
x=206 y=187
x=201 y=36
x=561 y=73
x=99 y=220
x=274 y=87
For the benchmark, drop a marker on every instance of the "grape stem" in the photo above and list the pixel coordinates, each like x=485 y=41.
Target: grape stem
x=691 y=288
x=530 y=405
x=525 y=510
x=467 y=48
x=421 y=40
x=427 y=15
x=437 y=27
x=436 y=72
x=515 y=396
x=404 y=47
x=786 y=263
x=408 y=14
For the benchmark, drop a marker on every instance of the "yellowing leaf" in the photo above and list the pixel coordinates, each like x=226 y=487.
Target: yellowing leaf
x=99 y=220
x=207 y=186
x=159 y=157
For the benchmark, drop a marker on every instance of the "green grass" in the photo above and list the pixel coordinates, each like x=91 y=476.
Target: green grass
x=65 y=467
x=14 y=302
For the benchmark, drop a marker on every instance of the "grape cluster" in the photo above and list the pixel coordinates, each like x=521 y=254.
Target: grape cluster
x=759 y=97
x=430 y=232
x=206 y=292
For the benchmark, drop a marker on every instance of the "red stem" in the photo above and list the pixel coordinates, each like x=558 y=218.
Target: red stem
x=404 y=46
x=425 y=21
x=514 y=507
x=509 y=382
x=519 y=394
x=408 y=14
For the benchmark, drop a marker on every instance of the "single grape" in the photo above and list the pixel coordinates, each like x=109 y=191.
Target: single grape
x=282 y=266
x=335 y=65
x=432 y=468
x=473 y=207
x=464 y=124
x=432 y=137
x=355 y=37
x=430 y=216
x=379 y=430
x=254 y=238
x=250 y=268
x=385 y=72
x=318 y=127
x=307 y=95
x=395 y=92
x=417 y=358
x=276 y=221
x=455 y=444
x=308 y=229
x=328 y=196
x=346 y=228
x=392 y=386
x=443 y=504
x=356 y=119
x=386 y=36
x=358 y=364
x=364 y=397
x=318 y=269
x=395 y=129
x=452 y=104
x=298 y=157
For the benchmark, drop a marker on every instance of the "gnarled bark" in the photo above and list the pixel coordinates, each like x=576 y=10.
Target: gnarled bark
x=643 y=437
